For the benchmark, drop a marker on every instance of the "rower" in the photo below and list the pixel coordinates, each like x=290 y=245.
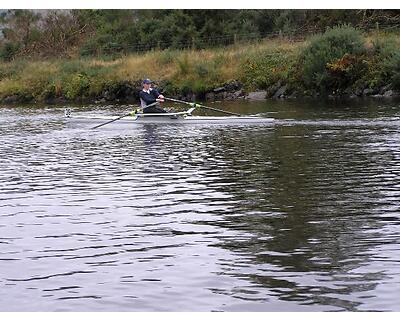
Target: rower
x=149 y=95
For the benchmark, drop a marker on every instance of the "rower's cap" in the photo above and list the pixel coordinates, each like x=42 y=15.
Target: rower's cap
x=147 y=81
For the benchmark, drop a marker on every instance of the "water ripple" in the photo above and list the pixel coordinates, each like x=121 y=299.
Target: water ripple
x=299 y=216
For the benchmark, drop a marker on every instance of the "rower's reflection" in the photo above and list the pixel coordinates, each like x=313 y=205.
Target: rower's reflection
x=158 y=151
x=150 y=137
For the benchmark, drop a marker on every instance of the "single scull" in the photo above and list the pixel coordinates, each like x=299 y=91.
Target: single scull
x=184 y=117
x=178 y=117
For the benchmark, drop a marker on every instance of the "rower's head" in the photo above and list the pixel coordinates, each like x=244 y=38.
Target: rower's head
x=146 y=84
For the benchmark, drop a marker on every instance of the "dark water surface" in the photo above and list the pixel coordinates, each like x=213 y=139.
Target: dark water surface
x=302 y=215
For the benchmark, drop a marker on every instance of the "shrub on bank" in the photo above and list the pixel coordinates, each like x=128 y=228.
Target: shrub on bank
x=343 y=73
x=392 y=69
x=385 y=61
x=381 y=50
x=333 y=60
x=264 y=68
x=197 y=72
x=39 y=81
x=8 y=51
x=11 y=69
x=27 y=81
x=77 y=86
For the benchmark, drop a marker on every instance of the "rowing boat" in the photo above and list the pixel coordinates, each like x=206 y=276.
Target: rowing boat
x=184 y=117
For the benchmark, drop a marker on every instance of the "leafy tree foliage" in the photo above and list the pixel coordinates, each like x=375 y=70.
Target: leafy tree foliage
x=70 y=33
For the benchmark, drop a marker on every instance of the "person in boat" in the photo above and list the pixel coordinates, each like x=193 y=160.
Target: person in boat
x=149 y=95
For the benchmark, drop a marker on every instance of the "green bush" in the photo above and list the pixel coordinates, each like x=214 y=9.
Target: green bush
x=101 y=45
x=48 y=92
x=263 y=69
x=330 y=48
x=200 y=87
x=184 y=65
x=202 y=69
x=207 y=70
x=392 y=69
x=383 y=62
x=77 y=86
x=68 y=67
x=345 y=71
x=384 y=47
x=12 y=69
x=9 y=50
x=167 y=56
x=89 y=48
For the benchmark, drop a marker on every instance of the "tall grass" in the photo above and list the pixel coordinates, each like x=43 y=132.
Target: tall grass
x=305 y=65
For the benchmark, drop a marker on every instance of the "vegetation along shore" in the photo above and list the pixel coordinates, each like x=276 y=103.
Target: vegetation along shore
x=341 y=61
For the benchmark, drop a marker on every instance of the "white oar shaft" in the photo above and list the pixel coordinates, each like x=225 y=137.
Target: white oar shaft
x=179 y=101
x=205 y=107
x=123 y=116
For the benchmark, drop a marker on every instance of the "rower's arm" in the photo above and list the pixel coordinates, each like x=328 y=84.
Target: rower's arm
x=159 y=97
x=147 y=98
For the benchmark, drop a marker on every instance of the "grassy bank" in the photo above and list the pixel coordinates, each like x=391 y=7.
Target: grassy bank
x=298 y=66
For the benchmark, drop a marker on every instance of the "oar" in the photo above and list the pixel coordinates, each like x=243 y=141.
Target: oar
x=204 y=107
x=123 y=116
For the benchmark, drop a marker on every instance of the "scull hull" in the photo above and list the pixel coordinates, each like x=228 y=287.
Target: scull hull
x=156 y=119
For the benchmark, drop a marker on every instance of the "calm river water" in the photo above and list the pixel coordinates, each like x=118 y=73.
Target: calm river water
x=301 y=215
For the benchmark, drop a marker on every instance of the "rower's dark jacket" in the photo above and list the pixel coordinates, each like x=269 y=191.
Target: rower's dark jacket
x=148 y=98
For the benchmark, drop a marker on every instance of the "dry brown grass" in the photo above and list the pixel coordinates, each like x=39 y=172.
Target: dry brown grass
x=157 y=64
x=198 y=68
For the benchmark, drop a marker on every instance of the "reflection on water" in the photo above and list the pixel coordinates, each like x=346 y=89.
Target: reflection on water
x=298 y=216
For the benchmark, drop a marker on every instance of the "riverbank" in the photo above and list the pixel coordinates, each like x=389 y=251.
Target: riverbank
x=274 y=68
